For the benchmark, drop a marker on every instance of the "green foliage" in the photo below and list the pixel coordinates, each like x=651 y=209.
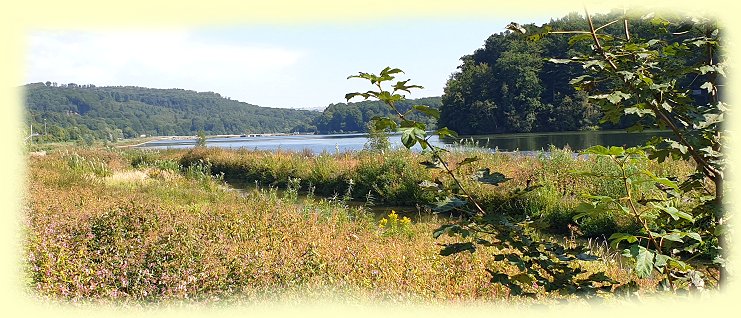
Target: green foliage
x=670 y=79
x=201 y=141
x=505 y=86
x=668 y=236
x=85 y=113
x=378 y=139
x=355 y=117
x=536 y=263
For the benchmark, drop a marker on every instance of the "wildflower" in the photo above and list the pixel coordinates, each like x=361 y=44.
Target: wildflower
x=405 y=222
x=382 y=223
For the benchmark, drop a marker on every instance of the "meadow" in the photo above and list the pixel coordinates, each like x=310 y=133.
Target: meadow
x=136 y=226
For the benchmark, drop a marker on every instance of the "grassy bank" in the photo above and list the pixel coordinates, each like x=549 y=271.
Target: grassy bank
x=393 y=178
x=99 y=229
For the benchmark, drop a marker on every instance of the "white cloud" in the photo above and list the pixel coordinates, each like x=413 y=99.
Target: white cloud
x=154 y=59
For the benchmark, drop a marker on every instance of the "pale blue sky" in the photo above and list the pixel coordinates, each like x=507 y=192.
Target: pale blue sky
x=298 y=66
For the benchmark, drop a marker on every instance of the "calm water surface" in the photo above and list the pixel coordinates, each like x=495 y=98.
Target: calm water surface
x=353 y=142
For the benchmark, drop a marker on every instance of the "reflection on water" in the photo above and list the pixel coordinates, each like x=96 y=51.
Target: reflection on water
x=575 y=140
x=353 y=142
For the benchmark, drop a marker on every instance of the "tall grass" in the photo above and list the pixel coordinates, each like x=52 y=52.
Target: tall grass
x=393 y=178
x=182 y=235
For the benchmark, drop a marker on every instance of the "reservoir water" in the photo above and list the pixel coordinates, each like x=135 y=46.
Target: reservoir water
x=353 y=142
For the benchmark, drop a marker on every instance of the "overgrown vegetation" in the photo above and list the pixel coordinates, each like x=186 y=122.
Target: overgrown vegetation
x=394 y=178
x=136 y=225
x=643 y=73
x=159 y=232
x=655 y=77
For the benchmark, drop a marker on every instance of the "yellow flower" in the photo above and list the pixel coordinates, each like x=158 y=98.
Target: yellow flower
x=393 y=217
x=405 y=222
x=382 y=223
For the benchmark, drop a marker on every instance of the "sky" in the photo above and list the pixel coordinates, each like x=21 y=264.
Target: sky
x=288 y=66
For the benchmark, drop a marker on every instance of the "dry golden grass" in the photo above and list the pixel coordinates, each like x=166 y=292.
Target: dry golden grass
x=120 y=234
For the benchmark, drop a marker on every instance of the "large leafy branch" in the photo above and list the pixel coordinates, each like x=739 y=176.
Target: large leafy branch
x=537 y=264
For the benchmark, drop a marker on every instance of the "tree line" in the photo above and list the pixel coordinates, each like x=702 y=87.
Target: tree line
x=87 y=112
x=515 y=83
x=72 y=112
x=354 y=117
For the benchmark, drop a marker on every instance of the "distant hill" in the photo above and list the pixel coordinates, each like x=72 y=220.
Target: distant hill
x=86 y=112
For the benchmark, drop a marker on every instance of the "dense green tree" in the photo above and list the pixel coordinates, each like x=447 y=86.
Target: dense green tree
x=505 y=86
x=354 y=117
x=107 y=113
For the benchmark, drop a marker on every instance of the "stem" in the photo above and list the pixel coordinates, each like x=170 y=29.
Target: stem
x=390 y=103
x=435 y=151
x=709 y=171
x=596 y=40
x=608 y=24
x=625 y=26
x=633 y=209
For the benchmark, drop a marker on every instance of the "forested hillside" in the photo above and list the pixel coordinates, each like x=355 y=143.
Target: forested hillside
x=353 y=117
x=509 y=85
x=87 y=112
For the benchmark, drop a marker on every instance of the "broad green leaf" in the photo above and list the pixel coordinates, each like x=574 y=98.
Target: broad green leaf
x=639 y=111
x=676 y=145
x=445 y=132
x=579 y=37
x=682 y=266
x=448 y=204
x=412 y=123
x=427 y=110
x=499 y=278
x=705 y=69
x=388 y=71
x=616 y=151
x=646 y=80
x=708 y=86
x=523 y=278
x=709 y=120
x=468 y=160
x=662 y=181
x=411 y=135
x=407 y=138
x=673 y=236
x=560 y=61
x=485 y=176
x=661 y=260
x=674 y=212
x=579 y=79
x=433 y=164
x=455 y=248
x=388 y=98
x=694 y=236
x=617 y=237
x=402 y=86
x=644 y=260
x=451 y=230
x=349 y=96
x=383 y=123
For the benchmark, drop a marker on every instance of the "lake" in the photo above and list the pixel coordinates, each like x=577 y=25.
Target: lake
x=352 y=142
